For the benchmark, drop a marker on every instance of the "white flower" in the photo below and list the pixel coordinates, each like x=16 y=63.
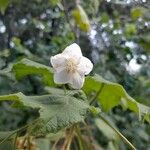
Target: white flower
x=71 y=66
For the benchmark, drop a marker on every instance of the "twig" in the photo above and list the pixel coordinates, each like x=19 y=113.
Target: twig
x=79 y=138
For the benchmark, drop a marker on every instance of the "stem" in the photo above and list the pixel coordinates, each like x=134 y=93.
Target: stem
x=67 y=143
x=54 y=145
x=97 y=94
x=24 y=140
x=118 y=133
x=14 y=145
x=79 y=137
x=28 y=142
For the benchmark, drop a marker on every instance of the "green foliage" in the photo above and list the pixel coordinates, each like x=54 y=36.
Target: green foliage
x=39 y=29
x=111 y=94
x=56 y=112
x=3 y=5
x=54 y=2
x=145 y=42
x=104 y=18
x=136 y=12
x=81 y=18
x=26 y=67
x=130 y=30
x=108 y=94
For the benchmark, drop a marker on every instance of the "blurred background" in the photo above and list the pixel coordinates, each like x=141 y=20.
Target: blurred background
x=114 y=34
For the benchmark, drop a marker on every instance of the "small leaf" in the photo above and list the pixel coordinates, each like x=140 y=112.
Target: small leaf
x=81 y=18
x=136 y=12
x=130 y=30
x=104 y=18
x=56 y=112
x=54 y=2
x=27 y=67
x=111 y=95
x=145 y=41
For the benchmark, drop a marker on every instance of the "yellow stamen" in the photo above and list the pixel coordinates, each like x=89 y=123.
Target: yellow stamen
x=71 y=65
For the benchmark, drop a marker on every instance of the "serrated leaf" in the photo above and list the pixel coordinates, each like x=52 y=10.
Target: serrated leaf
x=27 y=67
x=56 y=112
x=111 y=95
x=81 y=18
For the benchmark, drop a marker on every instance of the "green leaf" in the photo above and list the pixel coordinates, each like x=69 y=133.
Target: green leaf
x=104 y=18
x=3 y=5
x=81 y=18
x=130 y=30
x=136 y=12
x=112 y=94
x=27 y=67
x=76 y=93
x=56 y=112
x=54 y=2
x=145 y=41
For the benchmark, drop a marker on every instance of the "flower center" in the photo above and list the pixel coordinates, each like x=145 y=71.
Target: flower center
x=71 y=65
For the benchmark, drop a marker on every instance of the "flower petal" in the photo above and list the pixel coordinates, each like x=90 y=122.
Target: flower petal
x=58 y=60
x=85 y=66
x=61 y=77
x=77 y=81
x=73 y=51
